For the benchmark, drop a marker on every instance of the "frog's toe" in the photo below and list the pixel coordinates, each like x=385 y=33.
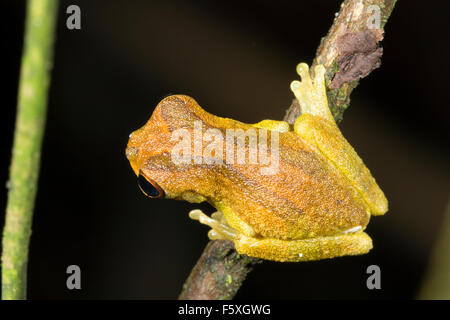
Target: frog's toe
x=295 y=86
x=218 y=215
x=319 y=77
x=303 y=72
x=214 y=235
x=219 y=229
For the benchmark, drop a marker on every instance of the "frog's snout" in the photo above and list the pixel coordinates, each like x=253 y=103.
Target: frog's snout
x=131 y=153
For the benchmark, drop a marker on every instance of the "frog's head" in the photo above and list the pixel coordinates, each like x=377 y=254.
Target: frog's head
x=150 y=151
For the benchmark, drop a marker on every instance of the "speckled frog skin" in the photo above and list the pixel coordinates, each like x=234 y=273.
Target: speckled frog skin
x=316 y=205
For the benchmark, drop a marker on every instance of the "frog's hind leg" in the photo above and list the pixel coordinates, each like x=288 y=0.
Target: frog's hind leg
x=285 y=250
x=317 y=126
x=306 y=249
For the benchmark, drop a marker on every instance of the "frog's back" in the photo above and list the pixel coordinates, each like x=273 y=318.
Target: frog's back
x=307 y=196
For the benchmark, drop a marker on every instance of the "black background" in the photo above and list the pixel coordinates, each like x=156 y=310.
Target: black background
x=236 y=59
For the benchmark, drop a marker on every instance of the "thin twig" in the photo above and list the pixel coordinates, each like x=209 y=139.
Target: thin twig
x=29 y=131
x=350 y=51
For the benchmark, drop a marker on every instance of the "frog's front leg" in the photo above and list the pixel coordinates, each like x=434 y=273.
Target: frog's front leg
x=219 y=228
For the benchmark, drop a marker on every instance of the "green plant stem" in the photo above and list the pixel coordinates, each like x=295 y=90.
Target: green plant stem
x=29 y=131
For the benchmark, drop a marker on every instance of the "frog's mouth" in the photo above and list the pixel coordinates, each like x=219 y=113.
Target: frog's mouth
x=132 y=149
x=132 y=154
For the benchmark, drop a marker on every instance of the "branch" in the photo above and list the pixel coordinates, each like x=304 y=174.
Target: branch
x=29 y=131
x=218 y=274
x=350 y=51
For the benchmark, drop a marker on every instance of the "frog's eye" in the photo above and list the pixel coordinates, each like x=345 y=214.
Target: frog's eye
x=149 y=187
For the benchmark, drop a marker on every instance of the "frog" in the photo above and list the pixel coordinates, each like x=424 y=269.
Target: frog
x=315 y=206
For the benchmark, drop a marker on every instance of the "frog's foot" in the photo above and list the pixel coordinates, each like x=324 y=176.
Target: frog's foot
x=311 y=93
x=219 y=228
x=306 y=249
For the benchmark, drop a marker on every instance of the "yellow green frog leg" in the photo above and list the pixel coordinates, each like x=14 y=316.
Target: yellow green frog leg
x=316 y=125
x=225 y=224
x=285 y=250
x=305 y=249
x=219 y=229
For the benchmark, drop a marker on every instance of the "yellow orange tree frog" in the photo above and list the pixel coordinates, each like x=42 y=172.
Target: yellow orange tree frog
x=315 y=205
